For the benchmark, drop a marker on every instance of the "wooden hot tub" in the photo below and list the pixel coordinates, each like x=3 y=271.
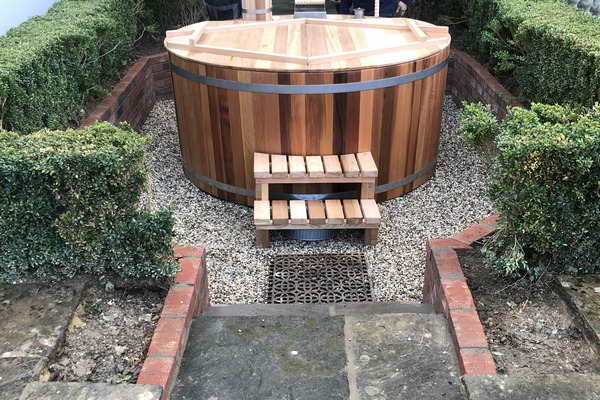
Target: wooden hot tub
x=308 y=87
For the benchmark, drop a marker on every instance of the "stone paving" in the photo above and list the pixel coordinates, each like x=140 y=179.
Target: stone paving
x=34 y=320
x=355 y=356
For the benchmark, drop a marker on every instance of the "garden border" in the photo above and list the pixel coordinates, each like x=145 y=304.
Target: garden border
x=446 y=288
x=149 y=81
x=185 y=300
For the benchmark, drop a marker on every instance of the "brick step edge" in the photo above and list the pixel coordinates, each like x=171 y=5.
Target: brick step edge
x=185 y=300
x=446 y=289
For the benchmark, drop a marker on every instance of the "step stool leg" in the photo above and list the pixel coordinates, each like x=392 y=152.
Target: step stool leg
x=367 y=190
x=262 y=239
x=371 y=235
x=262 y=191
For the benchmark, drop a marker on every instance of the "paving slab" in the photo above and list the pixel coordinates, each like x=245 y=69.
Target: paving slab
x=35 y=317
x=90 y=391
x=15 y=372
x=402 y=357
x=532 y=387
x=269 y=357
x=390 y=356
x=583 y=293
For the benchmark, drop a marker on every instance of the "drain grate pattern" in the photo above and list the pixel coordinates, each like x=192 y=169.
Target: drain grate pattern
x=318 y=278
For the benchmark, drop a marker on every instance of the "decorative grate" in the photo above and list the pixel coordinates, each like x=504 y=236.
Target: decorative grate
x=318 y=278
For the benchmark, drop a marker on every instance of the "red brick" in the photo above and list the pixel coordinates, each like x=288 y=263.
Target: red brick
x=144 y=60
x=449 y=243
x=98 y=114
x=474 y=234
x=159 y=58
x=190 y=271
x=447 y=264
x=476 y=361
x=136 y=69
x=204 y=296
x=490 y=80
x=162 y=83
x=496 y=88
x=157 y=67
x=162 y=75
x=128 y=78
x=491 y=220
x=158 y=371
x=189 y=251
x=467 y=329
x=109 y=103
x=457 y=294
x=120 y=87
x=88 y=122
x=180 y=302
x=168 y=338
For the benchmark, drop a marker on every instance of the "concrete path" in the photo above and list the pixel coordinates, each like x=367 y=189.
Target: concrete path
x=319 y=352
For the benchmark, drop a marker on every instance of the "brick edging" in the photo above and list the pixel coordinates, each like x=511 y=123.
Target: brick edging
x=185 y=299
x=446 y=289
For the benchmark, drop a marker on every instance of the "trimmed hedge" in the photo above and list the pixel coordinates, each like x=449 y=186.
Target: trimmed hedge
x=68 y=203
x=546 y=183
x=552 y=49
x=51 y=65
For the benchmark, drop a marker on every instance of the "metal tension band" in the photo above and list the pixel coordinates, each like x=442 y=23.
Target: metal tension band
x=260 y=11
x=404 y=181
x=219 y=185
x=251 y=193
x=308 y=89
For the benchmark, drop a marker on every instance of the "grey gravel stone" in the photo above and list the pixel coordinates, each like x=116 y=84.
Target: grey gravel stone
x=452 y=200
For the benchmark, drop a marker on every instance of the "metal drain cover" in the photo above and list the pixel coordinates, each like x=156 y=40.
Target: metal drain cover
x=318 y=278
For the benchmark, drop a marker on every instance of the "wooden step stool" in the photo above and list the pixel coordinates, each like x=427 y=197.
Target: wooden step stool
x=315 y=214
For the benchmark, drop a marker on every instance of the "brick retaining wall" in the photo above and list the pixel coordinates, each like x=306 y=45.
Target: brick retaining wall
x=470 y=81
x=147 y=82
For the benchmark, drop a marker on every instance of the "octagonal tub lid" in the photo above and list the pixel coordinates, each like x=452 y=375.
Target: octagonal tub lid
x=336 y=43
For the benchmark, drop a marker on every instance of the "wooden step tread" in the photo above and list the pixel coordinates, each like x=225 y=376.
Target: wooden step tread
x=317 y=214
x=281 y=167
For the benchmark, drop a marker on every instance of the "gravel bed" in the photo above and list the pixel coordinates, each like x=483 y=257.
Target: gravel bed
x=452 y=200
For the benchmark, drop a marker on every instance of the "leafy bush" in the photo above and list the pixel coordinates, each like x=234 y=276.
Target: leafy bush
x=51 y=65
x=546 y=183
x=68 y=203
x=172 y=14
x=551 y=48
x=479 y=128
x=452 y=13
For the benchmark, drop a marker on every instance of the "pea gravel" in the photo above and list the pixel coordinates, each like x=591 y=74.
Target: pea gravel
x=452 y=200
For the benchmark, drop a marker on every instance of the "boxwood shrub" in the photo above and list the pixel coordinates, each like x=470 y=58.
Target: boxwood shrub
x=479 y=127
x=51 y=65
x=551 y=48
x=546 y=183
x=69 y=203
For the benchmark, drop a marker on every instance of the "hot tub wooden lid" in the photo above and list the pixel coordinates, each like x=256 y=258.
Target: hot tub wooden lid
x=287 y=44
